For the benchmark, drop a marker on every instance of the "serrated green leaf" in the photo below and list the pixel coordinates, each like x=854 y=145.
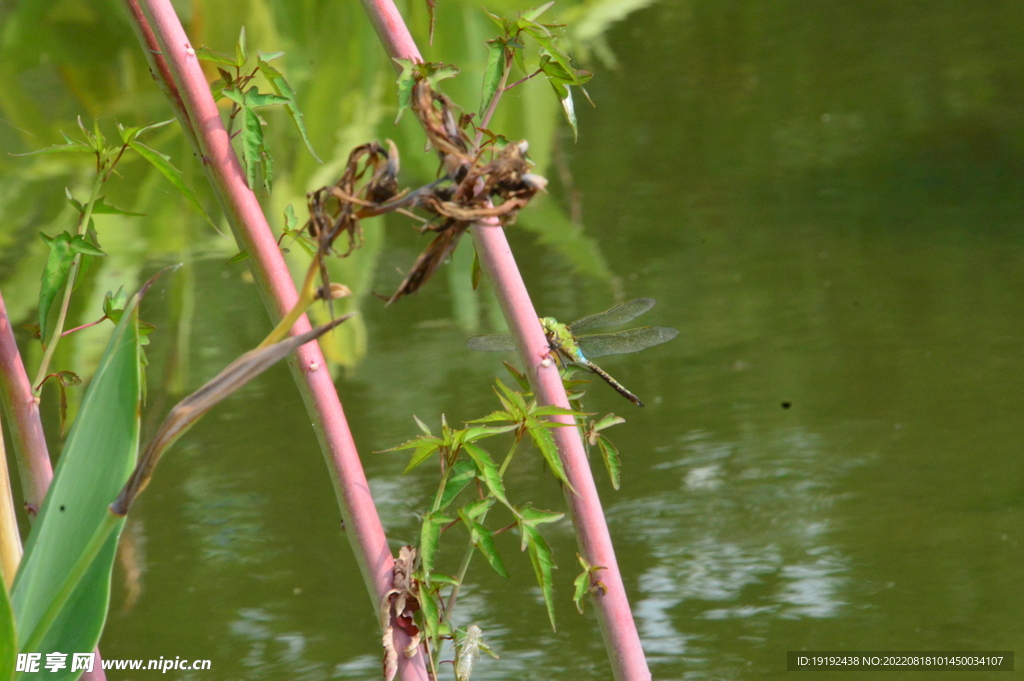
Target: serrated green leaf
x=431 y=616
x=73 y=146
x=515 y=398
x=55 y=276
x=423 y=452
x=206 y=54
x=255 y=98
x=610 y=454
x=406 y=81
x=545 y=442
x=494 y=416
x=488 y=471
x=441 y=578
x=477 y=507
x=476 y=433
x=282 y=88
x=518 y=376
x=430 y=538
x=462 y=473
x=252 y=143
x=492 y=74
x=483 y=540
x=80 y=245
x=543 y=564
x=163 y=164
x=436 y=72
x=535 y=516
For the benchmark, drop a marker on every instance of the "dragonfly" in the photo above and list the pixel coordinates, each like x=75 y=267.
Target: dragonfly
x=570 y=348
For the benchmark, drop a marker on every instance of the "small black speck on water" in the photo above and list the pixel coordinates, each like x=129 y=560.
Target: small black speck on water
x=787 y=405
x=62 y=507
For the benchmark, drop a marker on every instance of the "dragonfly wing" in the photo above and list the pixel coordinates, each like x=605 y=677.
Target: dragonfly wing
x=492 y=343
x=620 y=314
x=624 y=342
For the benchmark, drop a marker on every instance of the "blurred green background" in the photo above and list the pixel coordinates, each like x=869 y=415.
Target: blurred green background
x=826 y=200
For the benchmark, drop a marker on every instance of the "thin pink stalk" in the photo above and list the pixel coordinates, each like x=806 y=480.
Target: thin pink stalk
x=22 y=411
x=163 y=36
x=618 y=629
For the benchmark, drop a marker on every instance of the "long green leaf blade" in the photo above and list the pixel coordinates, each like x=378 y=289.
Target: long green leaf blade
x=8 y=638
x=163 y=164
x=97 y=458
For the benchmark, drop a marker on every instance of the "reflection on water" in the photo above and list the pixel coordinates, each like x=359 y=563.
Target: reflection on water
x=744 y=534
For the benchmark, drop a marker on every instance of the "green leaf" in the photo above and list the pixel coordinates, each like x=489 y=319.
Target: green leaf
x=206 y=54
x=8 y=638
x=462 y=473
x=101 y=208
x=483 y=540
x=252 y=143
x=129 y=134
x=543 y=564
x=610 y=454
x=475 y=433
x=163 y=163
x=406 y=81
x=422 y=426
x=477 y=270
x=477 y=507
x=518 y=376
x=430 y=538
x=431 y=615
x=545 y=442
x=255 y=98
x=424 y=451
x=283 y=89
x=441 y=578
x=492 y=74
x=267 y=57
x=488 y=470
x=95 y=462
x=532 y=14
x=72 y=145
x=63 y=249
x=551 y=410
x=535 y=516
x=291 y=222
x=237 y=257
x=241 y=51
x=114 y=304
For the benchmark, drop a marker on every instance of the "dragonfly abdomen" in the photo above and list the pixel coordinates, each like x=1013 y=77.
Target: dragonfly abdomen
x=621 y=389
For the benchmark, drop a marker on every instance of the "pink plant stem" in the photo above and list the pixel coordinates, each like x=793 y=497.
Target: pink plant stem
x=22 y=411
x=614 y=616
x=190 y=94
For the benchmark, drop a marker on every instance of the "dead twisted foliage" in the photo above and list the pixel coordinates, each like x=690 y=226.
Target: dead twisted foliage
x=468 y=190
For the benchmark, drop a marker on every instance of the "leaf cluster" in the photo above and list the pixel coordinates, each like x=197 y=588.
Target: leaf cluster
x=470 y=473
x=236 y=87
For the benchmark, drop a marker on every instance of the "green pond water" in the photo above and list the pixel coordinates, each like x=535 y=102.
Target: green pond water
x=825 y=198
